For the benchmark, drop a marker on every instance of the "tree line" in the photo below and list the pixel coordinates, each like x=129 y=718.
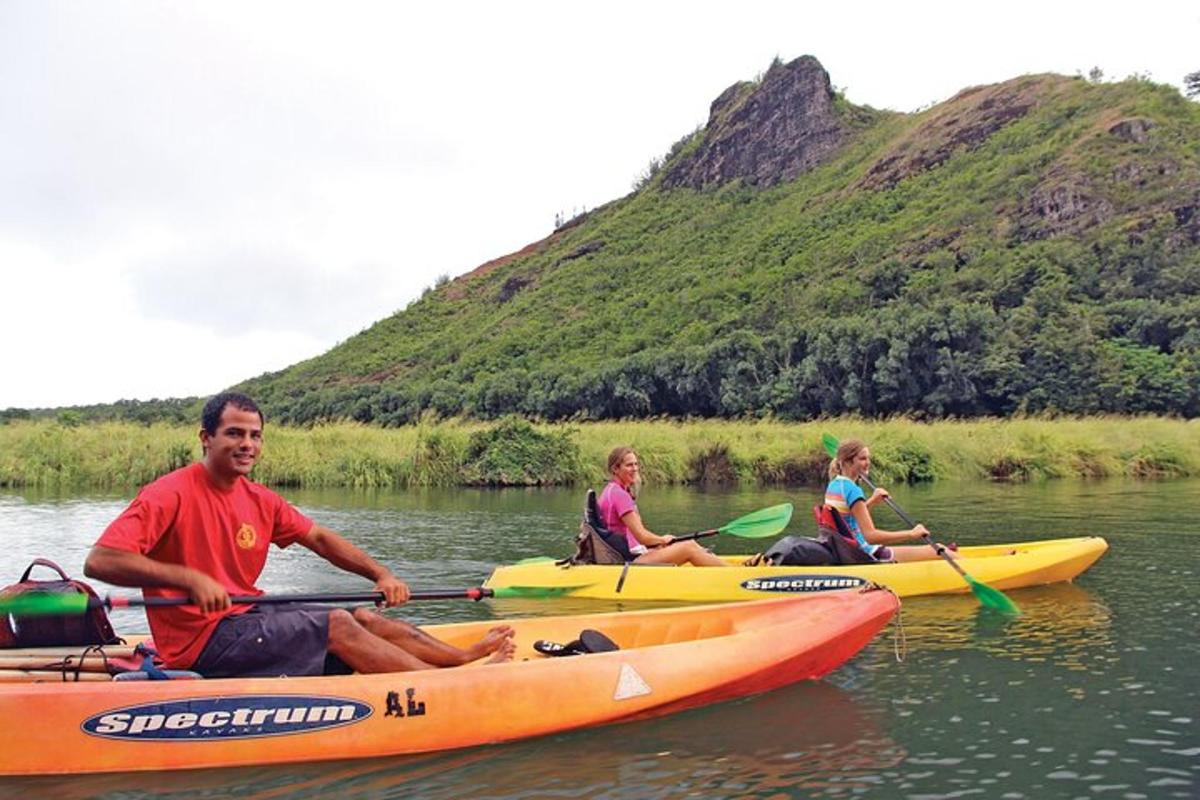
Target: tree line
x=959 y=360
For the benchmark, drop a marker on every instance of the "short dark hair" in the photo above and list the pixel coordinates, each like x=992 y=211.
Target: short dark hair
x=210 y=417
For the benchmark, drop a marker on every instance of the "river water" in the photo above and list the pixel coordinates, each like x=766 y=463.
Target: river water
x=1092 y=692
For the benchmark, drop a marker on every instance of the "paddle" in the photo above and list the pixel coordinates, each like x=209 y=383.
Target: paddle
x=989 y=597
x=755 y=525
x=35 y=603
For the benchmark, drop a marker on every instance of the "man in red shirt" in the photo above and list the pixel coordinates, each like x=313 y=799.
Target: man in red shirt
x=203 y=531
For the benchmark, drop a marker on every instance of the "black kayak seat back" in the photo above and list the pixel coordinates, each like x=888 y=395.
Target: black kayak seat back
x=596 y=544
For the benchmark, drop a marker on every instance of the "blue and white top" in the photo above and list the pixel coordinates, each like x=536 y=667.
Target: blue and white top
x=841 y=494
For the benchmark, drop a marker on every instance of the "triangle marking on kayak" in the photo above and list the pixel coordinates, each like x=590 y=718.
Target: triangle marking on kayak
x=630 y=684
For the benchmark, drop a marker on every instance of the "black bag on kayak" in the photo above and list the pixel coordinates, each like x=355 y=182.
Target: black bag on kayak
x=51 y=630
x=798 y=551
x=596 y=544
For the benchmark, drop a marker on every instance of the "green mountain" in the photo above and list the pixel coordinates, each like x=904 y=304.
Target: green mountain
x=1028 y=246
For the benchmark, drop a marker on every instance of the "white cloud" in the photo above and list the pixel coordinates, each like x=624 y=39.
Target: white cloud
x=194 y=193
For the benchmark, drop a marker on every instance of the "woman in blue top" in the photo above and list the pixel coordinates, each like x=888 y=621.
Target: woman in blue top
x=843 y=493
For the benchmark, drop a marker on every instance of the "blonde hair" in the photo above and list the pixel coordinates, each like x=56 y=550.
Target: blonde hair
x=847 y=451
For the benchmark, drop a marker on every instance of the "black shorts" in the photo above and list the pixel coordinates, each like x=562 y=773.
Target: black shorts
x=270 y=641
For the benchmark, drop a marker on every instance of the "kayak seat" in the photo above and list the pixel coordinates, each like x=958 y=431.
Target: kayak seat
x=596 y=544
x=835 y=534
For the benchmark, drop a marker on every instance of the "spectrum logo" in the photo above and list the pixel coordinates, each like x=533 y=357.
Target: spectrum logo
x=802 y=583
x=209 y=718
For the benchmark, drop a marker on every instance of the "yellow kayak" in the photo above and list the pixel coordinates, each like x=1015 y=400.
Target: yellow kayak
x=1001 y=566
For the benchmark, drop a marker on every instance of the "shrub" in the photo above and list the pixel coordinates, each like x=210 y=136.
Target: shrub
x=910 y=461
x=514 y=453
x=712 y=466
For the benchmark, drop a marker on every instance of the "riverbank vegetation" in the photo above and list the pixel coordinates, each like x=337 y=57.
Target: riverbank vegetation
x=513 y=452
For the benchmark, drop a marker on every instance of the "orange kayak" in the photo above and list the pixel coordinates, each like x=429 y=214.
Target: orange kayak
x=669 y=659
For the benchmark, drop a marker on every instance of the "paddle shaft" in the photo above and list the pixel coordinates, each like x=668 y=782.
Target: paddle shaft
x=268 y=599
x=687 y=536
x=938 y=548
x=755 y=525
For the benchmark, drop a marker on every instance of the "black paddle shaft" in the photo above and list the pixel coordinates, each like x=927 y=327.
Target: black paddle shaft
x=938 y=548
x=689 y=536
x=267 y=599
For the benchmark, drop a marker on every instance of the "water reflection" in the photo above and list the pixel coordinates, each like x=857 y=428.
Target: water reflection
x=1062 y=622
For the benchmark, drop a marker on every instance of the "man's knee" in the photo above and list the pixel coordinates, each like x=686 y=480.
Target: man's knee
x=364 y=616
x=342 y=625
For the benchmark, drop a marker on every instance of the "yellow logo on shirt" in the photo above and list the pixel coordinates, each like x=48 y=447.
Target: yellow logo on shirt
x=246 y=536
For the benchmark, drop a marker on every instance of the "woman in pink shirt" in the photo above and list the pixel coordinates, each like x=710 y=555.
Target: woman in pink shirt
x=619 y=513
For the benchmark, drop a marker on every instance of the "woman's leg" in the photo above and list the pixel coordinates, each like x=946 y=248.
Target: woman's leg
x=917 y=552
x=686 y=552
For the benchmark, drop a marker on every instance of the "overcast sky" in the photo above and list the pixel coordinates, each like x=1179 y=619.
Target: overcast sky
x=192 y=194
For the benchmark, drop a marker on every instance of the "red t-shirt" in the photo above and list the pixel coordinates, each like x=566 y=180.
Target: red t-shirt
x=184 y=518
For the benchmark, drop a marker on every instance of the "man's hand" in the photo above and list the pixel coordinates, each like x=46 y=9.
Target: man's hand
x=395 y=591
x=206 y=593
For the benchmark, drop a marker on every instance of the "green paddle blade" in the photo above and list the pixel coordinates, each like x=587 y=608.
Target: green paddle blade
x=535 y=592
x=760 y=524
x=35 y=604
x=830 y=443
x=993 y=598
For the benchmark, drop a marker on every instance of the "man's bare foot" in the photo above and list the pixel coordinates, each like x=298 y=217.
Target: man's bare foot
x=492 y=641
x=504 y=653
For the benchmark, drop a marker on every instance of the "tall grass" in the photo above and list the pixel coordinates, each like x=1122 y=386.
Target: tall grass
x=49 y=454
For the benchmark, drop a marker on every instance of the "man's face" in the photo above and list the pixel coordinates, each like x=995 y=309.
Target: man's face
x=234 y=448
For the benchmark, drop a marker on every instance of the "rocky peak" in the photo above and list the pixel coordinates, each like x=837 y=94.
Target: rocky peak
x=765 y=133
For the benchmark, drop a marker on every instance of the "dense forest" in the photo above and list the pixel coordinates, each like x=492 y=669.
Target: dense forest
x=1030 y=246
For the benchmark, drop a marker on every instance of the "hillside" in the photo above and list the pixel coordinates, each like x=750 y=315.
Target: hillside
x=1027 y=246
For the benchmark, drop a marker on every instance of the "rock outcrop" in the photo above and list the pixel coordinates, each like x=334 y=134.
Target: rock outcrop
x=766 y=133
